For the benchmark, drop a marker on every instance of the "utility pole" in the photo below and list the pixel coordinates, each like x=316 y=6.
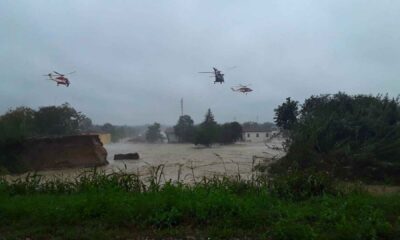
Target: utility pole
x=181 y=107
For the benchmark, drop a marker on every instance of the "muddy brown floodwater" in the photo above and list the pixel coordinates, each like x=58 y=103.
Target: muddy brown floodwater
x=184 y=160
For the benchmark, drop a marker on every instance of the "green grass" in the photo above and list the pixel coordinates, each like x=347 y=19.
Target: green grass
x=119 y=205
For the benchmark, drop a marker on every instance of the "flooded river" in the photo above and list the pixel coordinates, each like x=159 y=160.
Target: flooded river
x=183 y=161
x=188 y=159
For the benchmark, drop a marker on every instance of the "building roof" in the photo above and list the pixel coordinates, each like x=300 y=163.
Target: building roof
x=254 y=128
x=169 y=131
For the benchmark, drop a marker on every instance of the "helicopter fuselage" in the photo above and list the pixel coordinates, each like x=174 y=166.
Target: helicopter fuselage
x=59 y=80
x=244 y=90
x=219 y=77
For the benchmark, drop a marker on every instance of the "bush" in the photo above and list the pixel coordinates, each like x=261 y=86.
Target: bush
x=121 y=204
x=285 y=230
x=9 y=156
x=351 y=137
x=303 y=185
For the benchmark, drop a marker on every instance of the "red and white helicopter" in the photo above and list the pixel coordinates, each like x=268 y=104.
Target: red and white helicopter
x=242 y=88
x=59 y=78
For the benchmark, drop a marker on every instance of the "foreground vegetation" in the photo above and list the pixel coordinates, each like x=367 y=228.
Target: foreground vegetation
x=351 y=137
x=120 y=205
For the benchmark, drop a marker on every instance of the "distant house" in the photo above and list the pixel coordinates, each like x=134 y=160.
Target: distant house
x=255 y=136
x=256 y=133
x=171 y=137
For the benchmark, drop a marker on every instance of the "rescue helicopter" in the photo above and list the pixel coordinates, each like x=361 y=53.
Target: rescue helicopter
x=242 y=88
x=219 y=77
x=59 y=78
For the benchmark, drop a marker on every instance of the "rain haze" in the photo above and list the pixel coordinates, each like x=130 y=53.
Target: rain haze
x=135 y=60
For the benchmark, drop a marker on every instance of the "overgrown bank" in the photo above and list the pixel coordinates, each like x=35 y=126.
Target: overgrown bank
x=351 y=137
x=120 y=205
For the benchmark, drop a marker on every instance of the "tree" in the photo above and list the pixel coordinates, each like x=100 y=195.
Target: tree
x=351 y=137
x=185 y=129
x=58 y=120
x=153 y=133
x=208 y=131
x=17 y=123
x=107 y=127
x=236 y=130
x=286 y=114
x=52 y=120
x=85 y=123
x=230 y=132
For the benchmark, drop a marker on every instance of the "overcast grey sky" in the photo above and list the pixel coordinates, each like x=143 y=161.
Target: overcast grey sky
x=134 y=60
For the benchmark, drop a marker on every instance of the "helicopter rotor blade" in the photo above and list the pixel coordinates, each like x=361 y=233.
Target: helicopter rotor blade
x=205 y=72
x=58 y=73
x=71 y=72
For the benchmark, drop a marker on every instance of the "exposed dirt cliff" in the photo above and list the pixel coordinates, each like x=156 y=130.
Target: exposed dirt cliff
x=62 y=152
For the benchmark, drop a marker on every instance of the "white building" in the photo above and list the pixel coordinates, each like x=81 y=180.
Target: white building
x=171 y=137
x=258 y=133
x=255 y=136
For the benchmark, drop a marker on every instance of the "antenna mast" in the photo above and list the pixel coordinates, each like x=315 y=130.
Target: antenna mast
x=181 y=106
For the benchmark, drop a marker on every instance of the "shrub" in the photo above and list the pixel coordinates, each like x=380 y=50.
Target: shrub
x=303 y=185
x=352 y=137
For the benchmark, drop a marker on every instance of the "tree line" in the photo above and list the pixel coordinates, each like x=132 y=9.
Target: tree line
x=24 y=122
x=206 y=133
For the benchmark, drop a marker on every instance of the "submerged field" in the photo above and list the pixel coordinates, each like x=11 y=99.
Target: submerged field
x=186 y=161
x=121 y=206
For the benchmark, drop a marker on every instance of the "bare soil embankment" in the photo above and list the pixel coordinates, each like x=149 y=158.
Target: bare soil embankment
x=61 y=152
